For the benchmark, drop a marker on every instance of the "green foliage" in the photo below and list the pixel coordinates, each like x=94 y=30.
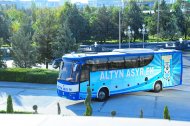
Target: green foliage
x=29 y=75
x=90 y=24
x=24 y=53
x=166 y=113
x=180 y=17
x=2 y=64
x=87 y=103
x=4 y=26
x=102 y=24
x=21 y=112
x=45 y=31
x=3 y=111
x=167 y=27
x=64 y=42
x=16 y=112
x=141 y=113
x=133 y=11
x=76 y=22
x=113 y=113
x=15 y=16
x=9 y=104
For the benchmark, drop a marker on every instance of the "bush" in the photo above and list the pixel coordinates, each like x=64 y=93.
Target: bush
x=166 y=113
x=29 y=75
x=9 y=105
x=15 y=112
x=141 y=114
x=113 y=113
x=87 y=103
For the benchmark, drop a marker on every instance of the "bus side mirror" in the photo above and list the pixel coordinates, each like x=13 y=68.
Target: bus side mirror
x=55 y=64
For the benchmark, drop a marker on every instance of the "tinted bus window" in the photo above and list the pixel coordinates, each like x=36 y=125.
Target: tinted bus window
x=98 y=64
x=84 y=73
x=116 y=62
x=131 y=62
x=145 y=60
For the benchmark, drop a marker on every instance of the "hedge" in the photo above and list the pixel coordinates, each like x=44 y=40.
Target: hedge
x=29 y=75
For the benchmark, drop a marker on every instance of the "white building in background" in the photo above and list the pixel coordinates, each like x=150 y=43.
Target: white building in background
x=100 y=3
x=170 y=1
x=39 y=3
x=93 y=3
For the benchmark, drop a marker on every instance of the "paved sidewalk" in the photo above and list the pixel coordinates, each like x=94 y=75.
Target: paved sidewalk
x=53 y=120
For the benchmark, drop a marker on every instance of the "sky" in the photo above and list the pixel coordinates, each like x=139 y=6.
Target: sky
x=82 y=1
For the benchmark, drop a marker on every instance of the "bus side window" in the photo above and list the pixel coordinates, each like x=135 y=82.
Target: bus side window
x=145 y=60
x=84 y=73
x=116 y=63
x=132 y=62
x=99 y=64
x=141 y=63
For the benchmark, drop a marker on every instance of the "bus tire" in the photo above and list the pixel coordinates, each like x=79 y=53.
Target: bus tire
x=103 y=94
x=157 y=86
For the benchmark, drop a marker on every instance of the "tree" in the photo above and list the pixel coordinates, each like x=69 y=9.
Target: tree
x=45 y=32
x=166 y=113
x=4 y=27
x=88 y=15
x=15 y=17
x=114 y=12
x=24 y=52
x=87 y=103
x=113 y=113
x=2 y=64
x=76 y=21
x=102 y=24
x=141 y=114
x=64 y=42
x=179 y=16
x=133 y=17
x=168 y=28
x=186 y=8
x=9 y=104
x=152 y=24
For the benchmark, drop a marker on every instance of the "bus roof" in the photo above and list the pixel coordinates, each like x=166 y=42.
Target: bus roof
x=128 y=51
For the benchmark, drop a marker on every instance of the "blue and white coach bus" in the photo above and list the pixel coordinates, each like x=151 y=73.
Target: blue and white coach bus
x=118 y=72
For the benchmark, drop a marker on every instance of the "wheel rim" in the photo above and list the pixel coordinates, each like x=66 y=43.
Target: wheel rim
x=101 y=95
x=157 y=87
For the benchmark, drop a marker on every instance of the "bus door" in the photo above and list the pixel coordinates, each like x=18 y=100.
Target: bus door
x=167 y=69
x=84 y=80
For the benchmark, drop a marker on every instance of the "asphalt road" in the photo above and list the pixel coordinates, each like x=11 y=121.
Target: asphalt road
x=26 y=95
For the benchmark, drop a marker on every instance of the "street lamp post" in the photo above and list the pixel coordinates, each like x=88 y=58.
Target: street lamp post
x=129 y=32
x=119 y=29
x=143 y=31
x=120 y=23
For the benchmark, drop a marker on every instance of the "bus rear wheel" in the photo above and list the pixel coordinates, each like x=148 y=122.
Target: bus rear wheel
x=102 y=94
x=157 y=87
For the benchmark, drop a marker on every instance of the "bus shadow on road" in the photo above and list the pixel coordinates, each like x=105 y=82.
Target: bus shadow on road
x=129 y=105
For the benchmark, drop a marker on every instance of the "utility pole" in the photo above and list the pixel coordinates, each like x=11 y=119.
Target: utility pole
x=158 y=19
x=119 y=29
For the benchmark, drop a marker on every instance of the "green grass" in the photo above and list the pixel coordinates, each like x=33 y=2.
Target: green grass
x=16 y=112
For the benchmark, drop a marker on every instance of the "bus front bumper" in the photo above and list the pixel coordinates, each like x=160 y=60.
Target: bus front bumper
x=68 y=90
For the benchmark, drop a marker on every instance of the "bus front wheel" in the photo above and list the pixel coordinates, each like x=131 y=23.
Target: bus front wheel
x=157 y=87
x=102 y=94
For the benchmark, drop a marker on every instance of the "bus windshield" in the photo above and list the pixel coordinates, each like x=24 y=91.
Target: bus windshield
x=69 y=71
